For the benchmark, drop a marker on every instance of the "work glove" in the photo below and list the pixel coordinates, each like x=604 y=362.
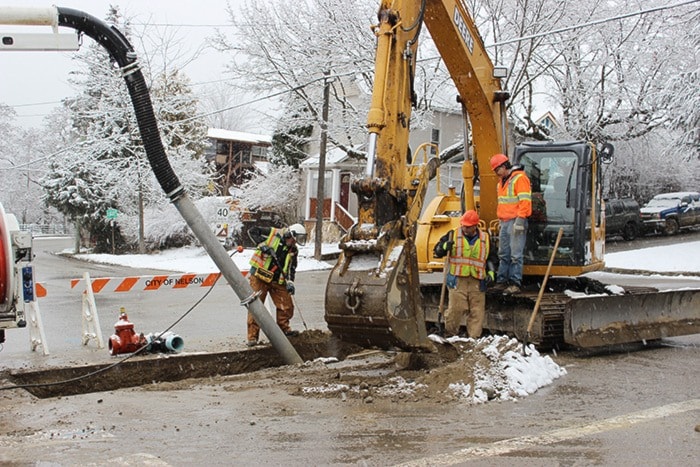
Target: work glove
x=266 y=250
x=490 y=278
x=519 y=225
x=451 y=281
x=290 y=287
x=448 y=246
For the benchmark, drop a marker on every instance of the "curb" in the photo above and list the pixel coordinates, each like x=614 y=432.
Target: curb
x=651 y=273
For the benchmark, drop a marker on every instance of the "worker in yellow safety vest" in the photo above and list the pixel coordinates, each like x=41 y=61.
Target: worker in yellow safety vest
x=272 y=270
x=471 y=266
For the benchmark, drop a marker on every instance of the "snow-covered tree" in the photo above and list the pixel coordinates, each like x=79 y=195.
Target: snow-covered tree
x=108 y=167
x=290 y=46
x=277 y=190
x=639 y=171
x=607 y=77
x=224 y=106
x=679 y=96
x=22 y=164
x=184 y=137
x=289 y=142
x=507 y=22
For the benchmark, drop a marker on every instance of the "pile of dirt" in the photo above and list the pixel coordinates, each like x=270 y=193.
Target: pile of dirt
x=471 y=371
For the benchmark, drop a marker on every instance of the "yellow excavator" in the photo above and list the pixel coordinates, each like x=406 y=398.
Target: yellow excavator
x=375 y=294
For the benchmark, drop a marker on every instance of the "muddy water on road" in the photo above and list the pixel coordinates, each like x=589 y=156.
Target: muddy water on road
x=264 y=418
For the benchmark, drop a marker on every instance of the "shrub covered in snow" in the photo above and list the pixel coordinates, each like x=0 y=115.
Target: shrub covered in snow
x=164 y=227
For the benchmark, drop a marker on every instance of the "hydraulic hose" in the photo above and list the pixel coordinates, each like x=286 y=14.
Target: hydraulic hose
x=123 y=53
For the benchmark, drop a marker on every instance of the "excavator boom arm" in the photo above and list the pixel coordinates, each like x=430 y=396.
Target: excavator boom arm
x=371 y=296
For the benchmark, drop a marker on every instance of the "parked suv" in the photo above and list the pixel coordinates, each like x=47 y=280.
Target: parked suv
x=622 y=218
x=670 y=212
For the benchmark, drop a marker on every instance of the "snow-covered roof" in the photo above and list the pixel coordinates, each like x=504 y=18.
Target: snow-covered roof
x=334 y=156
x=218 y=133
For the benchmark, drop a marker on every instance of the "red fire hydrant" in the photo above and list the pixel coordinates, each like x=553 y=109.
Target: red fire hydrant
x=125 y=339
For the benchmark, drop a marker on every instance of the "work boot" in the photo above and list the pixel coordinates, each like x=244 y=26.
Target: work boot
x=251 y=343
x=291 y=333
x=511 y=289
x=497 y=287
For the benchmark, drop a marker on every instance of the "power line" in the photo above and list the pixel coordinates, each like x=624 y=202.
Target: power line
x=270 y=96
x=184 y=25
x=35 y=104
x=593 y=23
x=509 y=41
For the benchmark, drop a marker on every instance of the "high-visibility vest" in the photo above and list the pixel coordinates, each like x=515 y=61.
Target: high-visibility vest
x=469 y=260
x=514 y=197
x=259 y=261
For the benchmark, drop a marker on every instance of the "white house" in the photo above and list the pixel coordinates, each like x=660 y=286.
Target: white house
x=340 y=205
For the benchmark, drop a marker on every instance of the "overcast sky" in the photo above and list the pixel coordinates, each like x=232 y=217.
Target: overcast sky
x=42 y=77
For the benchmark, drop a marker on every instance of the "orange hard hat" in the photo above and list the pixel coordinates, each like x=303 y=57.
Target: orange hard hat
x=469 y=219
x=498 y=160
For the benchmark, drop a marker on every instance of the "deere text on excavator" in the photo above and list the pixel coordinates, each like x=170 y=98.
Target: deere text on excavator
x=375 y=296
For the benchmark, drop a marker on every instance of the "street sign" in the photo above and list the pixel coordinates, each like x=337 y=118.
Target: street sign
x=112 y=213
x=223 y=212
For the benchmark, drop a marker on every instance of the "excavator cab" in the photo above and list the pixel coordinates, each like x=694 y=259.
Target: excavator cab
x=566 y=194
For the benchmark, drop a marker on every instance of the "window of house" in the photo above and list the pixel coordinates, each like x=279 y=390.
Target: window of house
x=435 y=139
x=259 y=152
x=327 y=185
x=222 y=147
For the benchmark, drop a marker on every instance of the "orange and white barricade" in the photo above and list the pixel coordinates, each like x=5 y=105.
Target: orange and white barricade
x=104 y=285
x=37 y=337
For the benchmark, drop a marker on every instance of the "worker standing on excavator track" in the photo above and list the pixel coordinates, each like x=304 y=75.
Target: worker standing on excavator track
x=471 y=269
x=514 y=207
x=272 y=270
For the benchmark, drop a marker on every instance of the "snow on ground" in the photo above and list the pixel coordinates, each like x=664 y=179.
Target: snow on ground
x=505 y=373
x=195 y=260
x=682 y=257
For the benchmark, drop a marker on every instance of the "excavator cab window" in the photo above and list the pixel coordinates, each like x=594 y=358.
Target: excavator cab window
x=559 y=192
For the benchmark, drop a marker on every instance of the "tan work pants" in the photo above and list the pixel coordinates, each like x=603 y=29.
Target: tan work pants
x=465 y=300
x=282 y=300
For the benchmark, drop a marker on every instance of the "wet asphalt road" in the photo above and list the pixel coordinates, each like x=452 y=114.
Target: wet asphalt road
x=632 y=406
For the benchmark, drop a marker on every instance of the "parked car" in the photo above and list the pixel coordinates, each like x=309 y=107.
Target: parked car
x=622 y=217
x=670 y=212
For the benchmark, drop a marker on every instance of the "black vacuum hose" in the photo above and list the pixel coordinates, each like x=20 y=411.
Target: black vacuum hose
x=123 y=53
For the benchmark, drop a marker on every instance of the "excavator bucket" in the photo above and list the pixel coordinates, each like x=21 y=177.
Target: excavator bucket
x=372 y=296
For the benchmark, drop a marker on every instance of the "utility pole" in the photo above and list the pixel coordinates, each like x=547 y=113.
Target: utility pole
x=320 y=188
x=142 y=218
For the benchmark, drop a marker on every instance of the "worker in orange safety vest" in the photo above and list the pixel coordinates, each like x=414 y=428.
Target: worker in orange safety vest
x=514 y=207
x=471 y=266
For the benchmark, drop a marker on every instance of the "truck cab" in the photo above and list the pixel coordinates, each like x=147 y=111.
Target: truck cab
x=622 y=218
x=668 y=213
